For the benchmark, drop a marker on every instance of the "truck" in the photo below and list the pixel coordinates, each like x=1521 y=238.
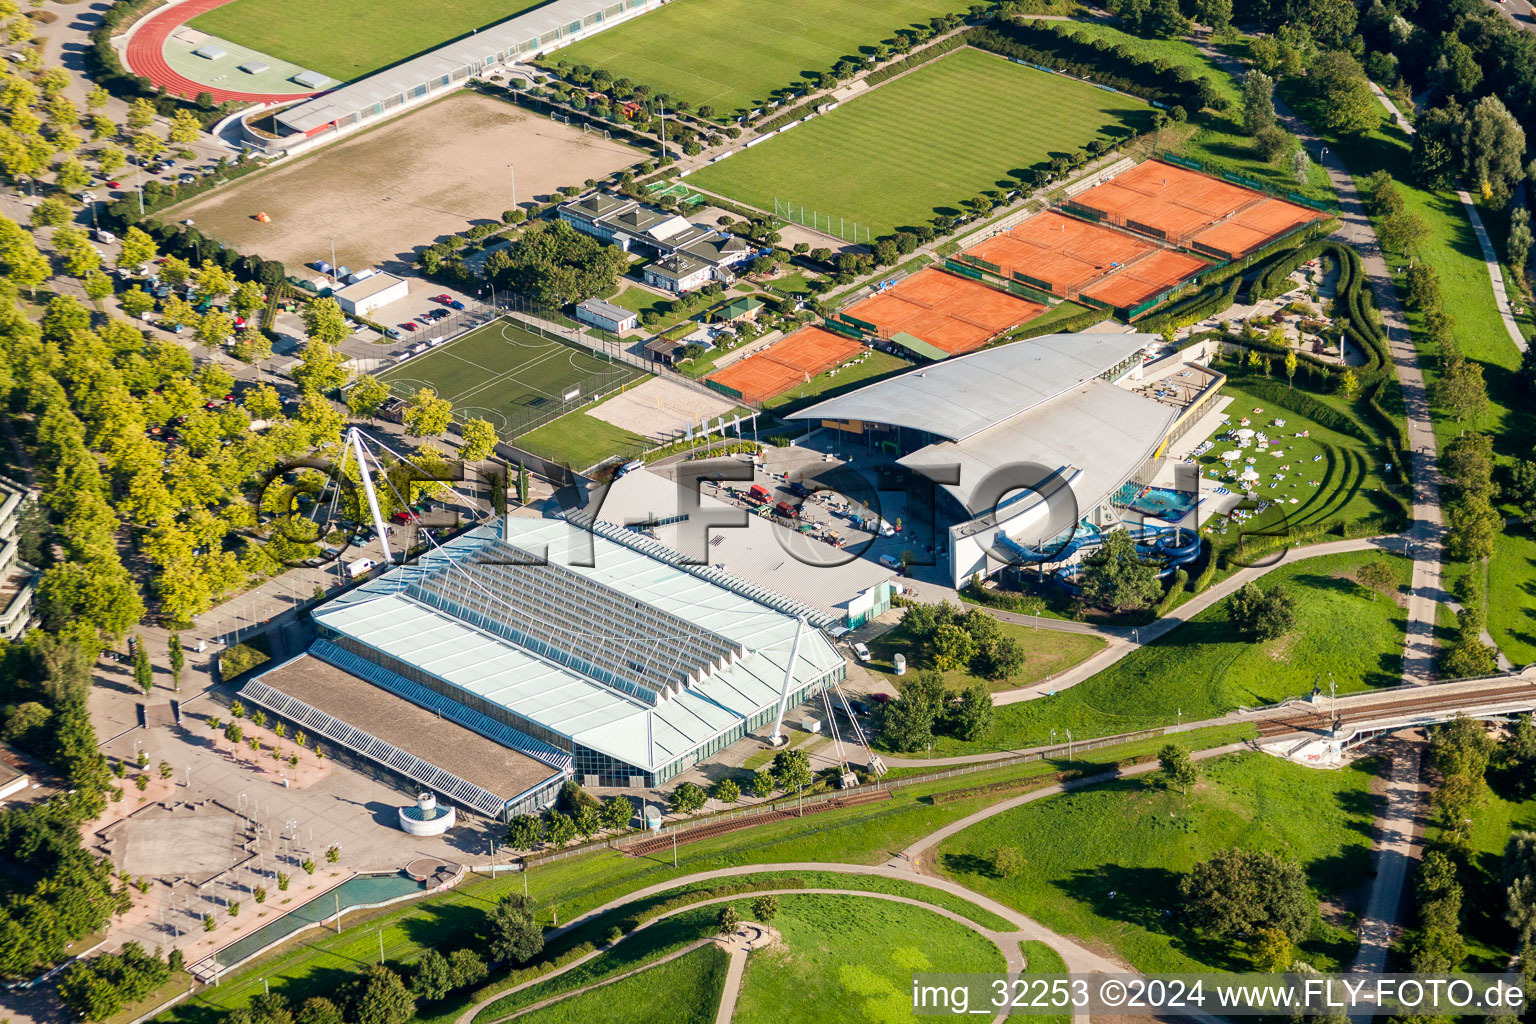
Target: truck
x=758 y=494
x=358 y=567
x=787 y=510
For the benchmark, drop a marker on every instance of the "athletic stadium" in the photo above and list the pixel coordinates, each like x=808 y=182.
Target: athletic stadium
x=530 y=651
x=1074 y=411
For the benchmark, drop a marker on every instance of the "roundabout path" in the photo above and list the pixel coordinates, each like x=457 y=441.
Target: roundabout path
x=143 y=53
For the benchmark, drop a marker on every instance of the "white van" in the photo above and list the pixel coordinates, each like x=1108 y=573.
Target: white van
x=359 y=567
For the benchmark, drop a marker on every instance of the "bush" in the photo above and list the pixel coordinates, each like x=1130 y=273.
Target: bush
x=241 y=658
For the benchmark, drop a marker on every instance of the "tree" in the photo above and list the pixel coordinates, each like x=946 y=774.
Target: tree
x=951 y=647
x=321 y=369
x=383 y=999
x=1349 y=384
x=365 y=396
x=1344 y=99
x=1178 y=768
x=1468 y=460
x=765 y=908
x=588 y=820
x=178 y=659
x=1519 y=242
x=425 y=414
x=1472 y=526
x=1273 y=953
x=143 y=673
x=50 y=213
x=210 y=282
x=515 y=935
x=1258 y=101
x=560 y=829
x=1376 y=575
x=618 y=812
x=1241 y=890
x=1261 y=615
x=97 y=286
x=971 y=716
x=763 y=784
x=727 y=920
x=557 y=265
x=431 y=978
x=466 y=967
x=1115 y=577
x=1492 y=149
x=146 y=145
x=137 y=248
x=1403 y=231
x=1007 y=862
x=479 y=439
x=214 y=328
x=727 y=791
x=791 y=770
x=141 y=114
x=523 y=831
x=324 y=321
x=185 y=127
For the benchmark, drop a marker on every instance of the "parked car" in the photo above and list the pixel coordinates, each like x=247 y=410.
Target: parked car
x=861 y=652
x=409 y=326
x=404 y=516
x=114 y=184
x=798 y=489
x=444 y=298
x=186 y=179
x=393 y=332
x=890 y=561
x=456 y=304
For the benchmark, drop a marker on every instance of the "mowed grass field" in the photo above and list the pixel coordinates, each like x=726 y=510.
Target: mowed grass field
x=1204 y=668
x=510 y=376
x=923 y=143
x=349 y=39
x=734 y=55
x=1103 y=864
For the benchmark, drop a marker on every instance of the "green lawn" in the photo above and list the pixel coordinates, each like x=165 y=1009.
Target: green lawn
x=641 y=301
x=866 y=834
x=1351 y=484
x=351 y=39
x=685 y=990
x=1042 y=959
x=1217 y=140
x=1451 y=248
x=1046 y=652
x=854 y=958
x=923 y=143
x=734 y=55
x=580 y=440
x=838 y=380
x=1512 y=594
x=1202 y=669
x=1490 y=940
x=1103 y=864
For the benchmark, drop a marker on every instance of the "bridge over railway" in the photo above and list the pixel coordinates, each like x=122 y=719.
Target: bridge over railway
x=1318 y=731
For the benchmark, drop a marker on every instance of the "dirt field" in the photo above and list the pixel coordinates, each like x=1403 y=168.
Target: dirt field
x=385 y=193
x=660 y=409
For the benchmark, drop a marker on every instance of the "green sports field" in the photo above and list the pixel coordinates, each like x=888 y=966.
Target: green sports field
x=734 y=55
x=923 y=143
x=350 y=38
x=514 y=378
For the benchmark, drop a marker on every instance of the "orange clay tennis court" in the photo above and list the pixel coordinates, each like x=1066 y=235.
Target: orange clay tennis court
x=946 y=310
x=779 y=367
x=1180 y=205
x=1063 y=252
x=1144 y=278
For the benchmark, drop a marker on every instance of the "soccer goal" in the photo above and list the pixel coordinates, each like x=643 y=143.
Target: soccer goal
x=594 y=130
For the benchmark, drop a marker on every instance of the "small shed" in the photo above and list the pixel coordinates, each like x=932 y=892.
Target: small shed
x=255 y=67
x=612 y=318
x=210 y=52
x=310 y=80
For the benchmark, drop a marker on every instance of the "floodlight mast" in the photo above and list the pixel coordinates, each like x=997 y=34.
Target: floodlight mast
x=356 y=437
x=789 y=675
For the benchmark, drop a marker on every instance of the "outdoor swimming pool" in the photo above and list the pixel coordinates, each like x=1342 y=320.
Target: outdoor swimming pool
x=1164 y=503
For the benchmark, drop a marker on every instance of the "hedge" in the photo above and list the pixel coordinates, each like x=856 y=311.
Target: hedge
x=919 y=58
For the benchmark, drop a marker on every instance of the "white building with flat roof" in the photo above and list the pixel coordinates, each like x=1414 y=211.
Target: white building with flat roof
x=371 y=293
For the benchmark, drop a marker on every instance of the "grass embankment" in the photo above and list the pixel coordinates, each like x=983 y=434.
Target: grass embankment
x=1350 y=477
x=579 y=440
x=1046 y=652
x=1042 y=959
x=1103 y=864
x=685 y=990
x=866 y=834
x=857 y=955
x=836 y=381
x=1203 y=669
x=1451 y=248
x=1217 y=139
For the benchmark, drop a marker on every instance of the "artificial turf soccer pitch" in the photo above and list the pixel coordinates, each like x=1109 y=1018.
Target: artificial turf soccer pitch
x=734 y=55
x=510 y=376
x=347 y=39
x=927 y=141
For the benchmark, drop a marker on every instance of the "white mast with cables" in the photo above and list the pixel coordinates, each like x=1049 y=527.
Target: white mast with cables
x=355 y=438
x=789 y=676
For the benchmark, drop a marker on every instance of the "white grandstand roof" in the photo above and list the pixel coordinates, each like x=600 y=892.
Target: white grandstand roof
x=383 y=615
x=480 y=48
x=968 y=394
x=742 y=544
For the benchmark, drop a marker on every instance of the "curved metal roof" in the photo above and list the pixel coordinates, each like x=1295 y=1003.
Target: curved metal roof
x=968 y=394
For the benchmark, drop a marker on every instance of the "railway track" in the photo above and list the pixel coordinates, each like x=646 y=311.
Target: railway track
x=1284 y=723
x=646 y=847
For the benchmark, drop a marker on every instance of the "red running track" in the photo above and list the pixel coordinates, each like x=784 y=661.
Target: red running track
x=146 y=57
